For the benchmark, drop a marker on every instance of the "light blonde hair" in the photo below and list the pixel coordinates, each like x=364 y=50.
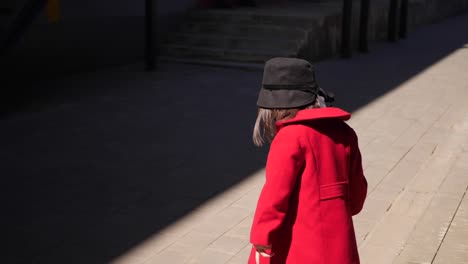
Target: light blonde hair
x=265 y=125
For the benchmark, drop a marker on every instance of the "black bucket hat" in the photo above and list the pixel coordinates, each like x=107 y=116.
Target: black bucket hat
x=289 y=83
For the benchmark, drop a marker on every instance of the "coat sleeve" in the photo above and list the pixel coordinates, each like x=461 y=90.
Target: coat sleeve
x=357 y=181
x=284 y=163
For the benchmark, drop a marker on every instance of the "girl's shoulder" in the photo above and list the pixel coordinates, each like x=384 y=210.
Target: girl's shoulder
x=310 y=130
x=314 y=114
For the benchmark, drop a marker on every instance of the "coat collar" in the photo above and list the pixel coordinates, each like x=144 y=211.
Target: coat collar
x=315 y=114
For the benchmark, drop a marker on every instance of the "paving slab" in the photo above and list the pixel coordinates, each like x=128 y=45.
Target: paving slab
x=115 y=177
x=454 y=248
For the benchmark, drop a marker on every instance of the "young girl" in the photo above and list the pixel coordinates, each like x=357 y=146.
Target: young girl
x=314 y=177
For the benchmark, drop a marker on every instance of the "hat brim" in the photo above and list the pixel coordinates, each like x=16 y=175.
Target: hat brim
x=285 y=99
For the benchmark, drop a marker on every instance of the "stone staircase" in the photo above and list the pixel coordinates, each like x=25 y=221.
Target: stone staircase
x=242 y=35
x=307 y=29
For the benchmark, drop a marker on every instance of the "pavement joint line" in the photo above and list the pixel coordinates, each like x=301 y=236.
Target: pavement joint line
x=424 y=213
x=450 y=224
x=235 y=255
x=231 y=204
x=394 y=166
x=396 y=140
x=211 y=243
x=411 y=148
x=406 y=190
x=231 y=228
x=216 y=238
x=373 y=121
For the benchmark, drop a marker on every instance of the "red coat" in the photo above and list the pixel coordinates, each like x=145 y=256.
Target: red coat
x=314 y=184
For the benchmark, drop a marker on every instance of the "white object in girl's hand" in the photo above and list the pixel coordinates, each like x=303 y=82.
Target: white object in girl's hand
x=263 y=254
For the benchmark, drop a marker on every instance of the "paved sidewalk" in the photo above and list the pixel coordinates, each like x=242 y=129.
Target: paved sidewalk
x=414 y=141
x=124 y=166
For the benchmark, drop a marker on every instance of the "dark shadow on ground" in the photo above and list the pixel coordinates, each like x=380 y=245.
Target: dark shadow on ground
x=105 y=159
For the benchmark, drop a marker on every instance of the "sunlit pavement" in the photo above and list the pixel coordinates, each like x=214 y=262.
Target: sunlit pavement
x=414 y=141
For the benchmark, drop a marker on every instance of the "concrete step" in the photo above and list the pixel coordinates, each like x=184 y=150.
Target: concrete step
x=244 y=55
x=251 y=18
x=217 y=63
x=244 y=30
x=232 y=42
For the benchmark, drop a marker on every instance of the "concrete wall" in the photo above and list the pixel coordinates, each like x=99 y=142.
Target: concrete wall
x=325 y=36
